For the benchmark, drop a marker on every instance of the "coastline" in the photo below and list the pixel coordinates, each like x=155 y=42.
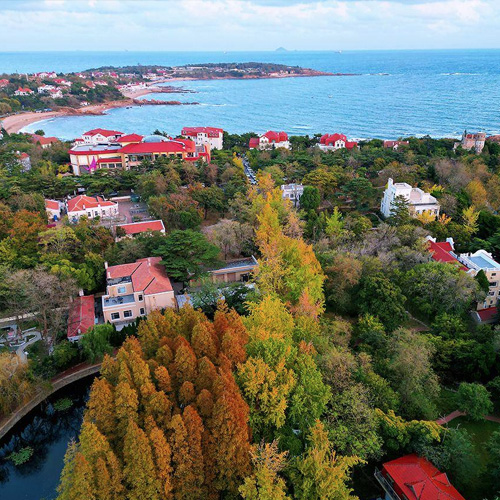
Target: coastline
x=14 y=124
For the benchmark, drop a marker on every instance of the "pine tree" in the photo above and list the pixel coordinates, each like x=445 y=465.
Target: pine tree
x=139 y=471
x=185 y=362
x=194 y=429
x=126 y=404
x=162 y=457
x=101 y=409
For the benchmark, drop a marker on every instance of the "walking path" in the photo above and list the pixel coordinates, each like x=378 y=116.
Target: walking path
x=458 y=413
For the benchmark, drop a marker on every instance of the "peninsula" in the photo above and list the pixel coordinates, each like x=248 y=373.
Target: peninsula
x=28 y=98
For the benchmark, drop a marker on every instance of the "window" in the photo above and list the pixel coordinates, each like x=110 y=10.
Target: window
x=115 y=316
x=89 y=214
x=127 y=314
x=493 y=274
x=491 y=294
x=143 y=312
x=140 y=297
x=493 y=283
x=121 y=289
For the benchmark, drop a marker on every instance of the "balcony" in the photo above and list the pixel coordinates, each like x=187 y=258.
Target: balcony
x=120 y=300
x=386 y=485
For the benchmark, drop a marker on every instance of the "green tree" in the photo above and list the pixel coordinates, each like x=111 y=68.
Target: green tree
x=96 y=342
x=186 y=254
x=474 y=399
x=380 y=297
x=493 y=467
x=310 y=198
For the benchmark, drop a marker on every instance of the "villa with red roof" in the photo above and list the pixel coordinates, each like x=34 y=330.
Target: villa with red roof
x=135 y=228
x=270 y=140
x=332 y=142
x=44 y=142
x=414 y=478
x=81 y=317
x=127 y=139
x=472 y=263
x=395 y=145
x=23 y=91
x=101 y=136
x=91 y=207
x=136 y=289
x=4 y=82
x=205 y=135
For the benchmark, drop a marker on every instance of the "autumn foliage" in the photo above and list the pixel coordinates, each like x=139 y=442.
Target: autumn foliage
x=166 y=419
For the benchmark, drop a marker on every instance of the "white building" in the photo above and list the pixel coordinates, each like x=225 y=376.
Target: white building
x=101 y=136
x=91 y=207
x=332 y=142
x=53 y=209
x=292 y=192
x=419 y=201
x=205 y=135
x=43 y=89
x=270 y=140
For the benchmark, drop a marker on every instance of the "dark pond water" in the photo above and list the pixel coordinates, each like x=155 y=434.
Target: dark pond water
x=48 y=432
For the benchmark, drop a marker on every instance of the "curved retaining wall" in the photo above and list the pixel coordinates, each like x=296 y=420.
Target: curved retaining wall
x=58 y=383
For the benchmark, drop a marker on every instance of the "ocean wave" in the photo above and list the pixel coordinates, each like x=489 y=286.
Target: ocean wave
x=460 y=74
x=301 y=127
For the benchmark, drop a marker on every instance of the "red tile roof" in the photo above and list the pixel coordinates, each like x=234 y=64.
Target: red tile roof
x=254 y=142
x=148 y=275
x=52 y=204
x=131 y=138
x=331 y=139
x=81 y=316
x=42 y=140
x=142 y=227
x=210 y=131
x=418 y=479
x=441 y=252
x=110 y=160
x=486 y=315
x=173 y=146
x=102 y=131
x=82 y=202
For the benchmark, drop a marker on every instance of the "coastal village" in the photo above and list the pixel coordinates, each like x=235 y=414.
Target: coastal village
x=184 y=232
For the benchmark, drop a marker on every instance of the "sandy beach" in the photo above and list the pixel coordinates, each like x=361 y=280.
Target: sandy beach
x=14 y=123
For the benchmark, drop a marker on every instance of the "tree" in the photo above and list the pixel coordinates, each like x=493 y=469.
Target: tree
x=382 y=298
x=210 y=199
x=474 y=399
x=230 y=236
x=361 y=191
x=400 y=211
x=96 y=342
x=265 y=482
x=412 y=375
x=185 y=254
x=321 y=474
x=493 y=467
x=310 y=198
x=437 y=287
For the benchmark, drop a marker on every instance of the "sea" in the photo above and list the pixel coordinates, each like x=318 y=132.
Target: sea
x=393 y=93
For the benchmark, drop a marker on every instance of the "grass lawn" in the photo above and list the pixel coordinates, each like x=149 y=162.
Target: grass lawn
x=446 y=402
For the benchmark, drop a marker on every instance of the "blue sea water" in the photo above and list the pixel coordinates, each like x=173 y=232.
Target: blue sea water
x=395 y=93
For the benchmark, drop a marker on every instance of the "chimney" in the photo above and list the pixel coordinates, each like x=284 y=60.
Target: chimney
x=80 y=292
x=105 y=265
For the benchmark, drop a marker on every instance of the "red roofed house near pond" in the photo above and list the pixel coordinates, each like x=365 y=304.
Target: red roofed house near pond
x=270 y=140
x=81 y=317
x=332 y=142
x=415 y=478
x=135 y=290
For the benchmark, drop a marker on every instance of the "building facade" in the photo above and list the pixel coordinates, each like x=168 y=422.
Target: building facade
x=292 y=192
x=101 y=136
x=419 y=202
x=205 y=135
x=474 y=141
x=53 y=209
x=135 y=290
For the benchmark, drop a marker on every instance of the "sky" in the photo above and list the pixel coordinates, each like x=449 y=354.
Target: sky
x=215 y=25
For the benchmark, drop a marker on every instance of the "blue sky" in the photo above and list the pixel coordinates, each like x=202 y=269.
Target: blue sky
x=247 y=24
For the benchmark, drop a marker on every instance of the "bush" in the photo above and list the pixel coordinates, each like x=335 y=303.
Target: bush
x=22 y=456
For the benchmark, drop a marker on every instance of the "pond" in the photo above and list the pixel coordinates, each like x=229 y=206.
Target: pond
x=48 y=431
